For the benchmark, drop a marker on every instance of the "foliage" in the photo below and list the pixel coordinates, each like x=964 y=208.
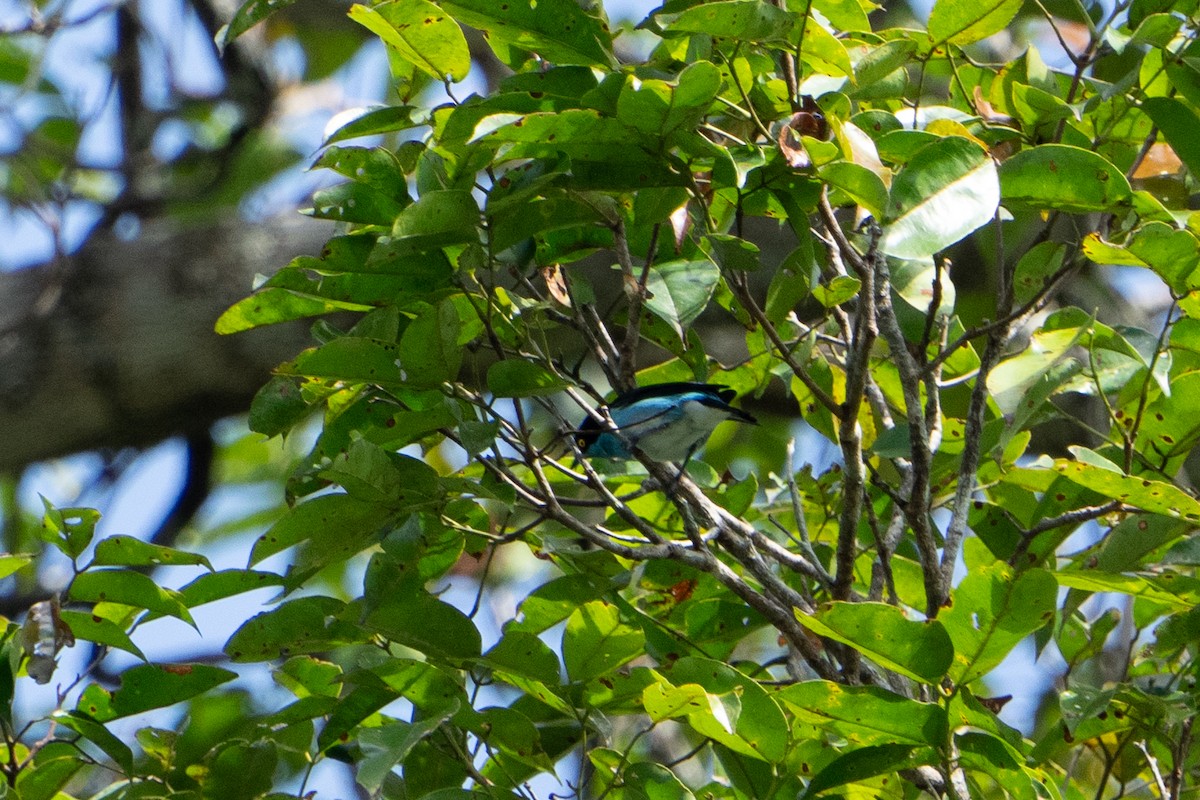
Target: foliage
x=762 y=629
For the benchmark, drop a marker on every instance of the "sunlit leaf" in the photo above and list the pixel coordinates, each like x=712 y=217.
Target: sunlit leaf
x=963 y=23
x=866 y=714
x=993 y=610
x=946 y=191
x=559 y=30
x=421 y=33
x=919 y=650
x=1059 y=176
x=596 y=641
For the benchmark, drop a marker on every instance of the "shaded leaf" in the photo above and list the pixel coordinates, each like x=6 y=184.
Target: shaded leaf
x=130 y=588
x=1178 y=125
x=249 y=14
x=127 y=551
x=519 y=378
x=95 y=732
x=679 y=291
x=306 y=625
x=867 y=762
x=150 y=686
x=427 y=625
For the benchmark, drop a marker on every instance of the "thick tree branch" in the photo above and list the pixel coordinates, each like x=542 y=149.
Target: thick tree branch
x=122 y=352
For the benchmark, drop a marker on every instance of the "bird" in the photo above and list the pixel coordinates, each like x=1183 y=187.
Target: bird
x=666 y=421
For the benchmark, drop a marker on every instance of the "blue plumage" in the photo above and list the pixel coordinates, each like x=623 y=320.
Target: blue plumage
x=666 y=421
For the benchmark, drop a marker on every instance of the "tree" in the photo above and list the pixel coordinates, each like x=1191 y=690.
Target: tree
x=765 y=625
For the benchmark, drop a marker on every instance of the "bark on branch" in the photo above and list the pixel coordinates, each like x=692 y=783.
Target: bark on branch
x=118 y=348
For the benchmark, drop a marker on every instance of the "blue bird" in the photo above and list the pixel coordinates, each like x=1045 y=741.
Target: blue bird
x=666 y=421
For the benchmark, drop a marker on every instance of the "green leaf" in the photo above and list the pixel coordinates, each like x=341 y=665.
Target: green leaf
x=837 y=291
x=241 y=770
x=583 y=134
x=658 y=108
x=553 y=602
x=386 y=746
x=596 y=642
x=962 y=23
x=13 y=562
x=824 y=52
x=128 y=551
x=880 y=61
x=1036 y=266
x=271 y=305
x=93 y=628
x=349 y=358
x=354 y=202
x=129 y=588
x=1134 y=586
x=1178 y=125
x=387 y=119
x=248 y=15
x=95 y=732
x=1034 y=106
x=353 y=707
x=52 y=767
x=867 y=762
x=341 y=515
x=374 y=475
x=755 y=20
x=1012 y=379
x=946 y=191
x=1063 y=177
x=663 y=701
x=427 y=625
x=560 y=31
x=992 y=610
x=760 y=731
x=226 y=583
x=438 y=218
x=376 y=167
x=646 y=780
x=519 y=378
x=306 y=625
x=525 y=654
x=1157 y=497
x=277 y=407
x=421 y=33
x=150 y=686
x=1173 y=254
x=69 y=529
x=679 y=291
x=866 y=714
x=429 y=349
x=862 y=185
x=919 y=650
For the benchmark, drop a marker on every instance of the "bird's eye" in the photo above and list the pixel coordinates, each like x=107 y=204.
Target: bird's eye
x=581 y=443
